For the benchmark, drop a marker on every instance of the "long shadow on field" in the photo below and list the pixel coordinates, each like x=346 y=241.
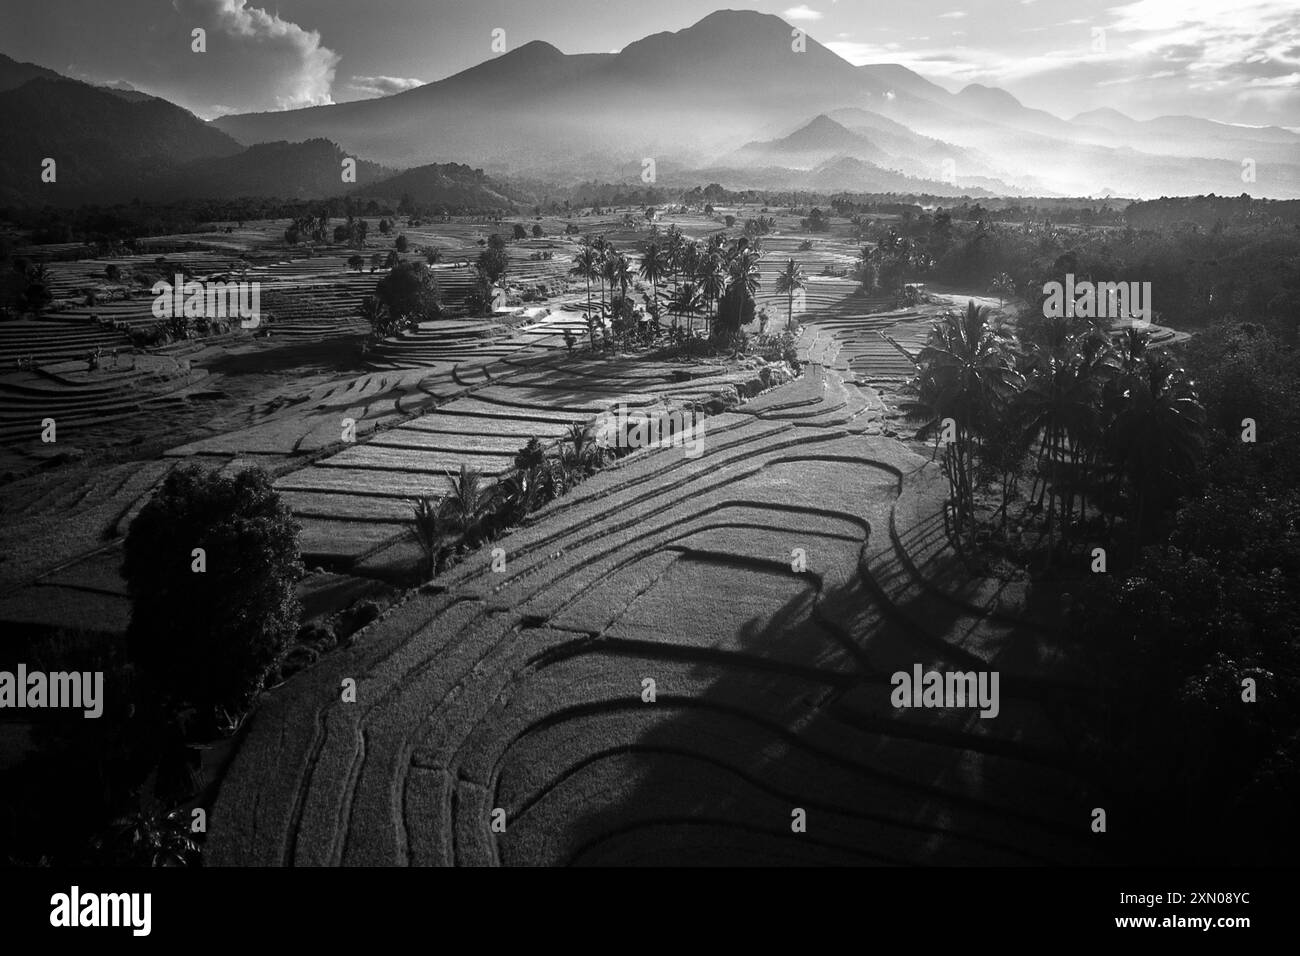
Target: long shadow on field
x=768 y=755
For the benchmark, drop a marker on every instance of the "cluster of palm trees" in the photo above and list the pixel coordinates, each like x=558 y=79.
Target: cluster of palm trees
x=1110 y=426
x=475 y=511
x=689 y=278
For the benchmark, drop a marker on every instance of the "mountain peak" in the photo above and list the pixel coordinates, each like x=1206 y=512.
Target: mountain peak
x=823 y=123
x=1104 y=114
x=534 y=50
x=988 y=94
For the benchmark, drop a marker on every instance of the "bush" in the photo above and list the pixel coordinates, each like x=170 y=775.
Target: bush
x=209 y=638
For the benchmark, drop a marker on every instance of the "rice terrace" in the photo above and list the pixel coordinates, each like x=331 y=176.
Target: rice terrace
x=515 y=469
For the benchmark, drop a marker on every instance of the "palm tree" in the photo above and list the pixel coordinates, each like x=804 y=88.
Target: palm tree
x=654 y=266
x=744 y=274
x=1004 y=286
x=619 y=272
x=967 y=374
x=579 y=456
x=430 y=529
x=1156 y=436
x=789 y=280
x=685 y=301
x=713 y=277
x=602 y=250
x=586 y=266
x=468 y=502
x=1062 y=405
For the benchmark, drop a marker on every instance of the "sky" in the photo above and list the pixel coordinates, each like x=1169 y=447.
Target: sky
x=1235 y=61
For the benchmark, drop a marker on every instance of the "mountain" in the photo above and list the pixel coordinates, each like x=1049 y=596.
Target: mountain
x=736 y=91
x=895 y=77
x=685 y=95
x=310 y=170
x=14 y=74
x=810 y=145
x=106 y=148
x=452 y=186
x=739 y=90
x=126 y=91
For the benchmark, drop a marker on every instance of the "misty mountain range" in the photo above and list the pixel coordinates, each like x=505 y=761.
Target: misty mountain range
x=727 y=100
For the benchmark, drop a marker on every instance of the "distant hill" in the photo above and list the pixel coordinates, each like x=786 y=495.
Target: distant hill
x=449 y=186
x=819 y=140
x=106 y=148
x=14 y=74
x=310 y=170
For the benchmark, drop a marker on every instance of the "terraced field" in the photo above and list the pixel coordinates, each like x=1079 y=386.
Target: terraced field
x=525 y=691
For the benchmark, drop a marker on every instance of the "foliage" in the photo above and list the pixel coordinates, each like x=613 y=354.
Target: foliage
x=209 y=638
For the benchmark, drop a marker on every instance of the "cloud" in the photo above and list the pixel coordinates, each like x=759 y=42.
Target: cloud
x=802 y=12
x=372 y=86
x=300 y=67
x=1249 y=50
x=953 y=15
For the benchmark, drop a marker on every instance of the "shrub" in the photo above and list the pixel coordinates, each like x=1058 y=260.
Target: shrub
x=209 y=638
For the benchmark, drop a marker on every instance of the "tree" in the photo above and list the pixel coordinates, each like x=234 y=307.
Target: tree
x=209 y=637
x=654 y=265
x=112 y=273
x=736 y=308
x=356 y=263
x=712 y=272
x=431 y=531
x=586 y=266
x=618 y=272
x=1004 y=286
x=385 y=227
x=1156 y=437
x=468 y=504
x=685 y=301
x=967 y=372
x=376 y=315
x=1062 y=406
x=433 y=255
x=410 y=294
x=537 y=230
x=743 y=272
x=291 y=235
x=37 y=295
x=789 y=280
x=401 y=244
x=493 y=263
x=520 y=232
x=152 y=836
